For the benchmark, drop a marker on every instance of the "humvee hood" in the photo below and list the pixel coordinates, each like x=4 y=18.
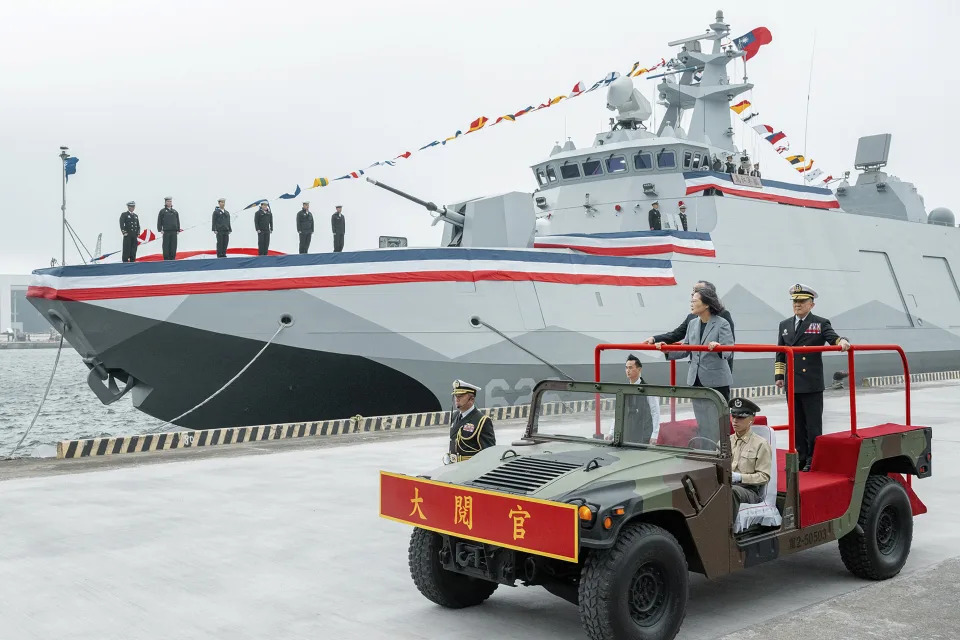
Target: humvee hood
x=560 y=470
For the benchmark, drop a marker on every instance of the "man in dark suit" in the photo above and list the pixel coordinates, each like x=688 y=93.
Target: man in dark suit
x=263 y=222
x=653 y=217
x=641 y=414
x=804 y=329
x=168 y=223
x=339 y=225
x=678 y=334
x=305 y=226
x=130 y=228
x=220 y=224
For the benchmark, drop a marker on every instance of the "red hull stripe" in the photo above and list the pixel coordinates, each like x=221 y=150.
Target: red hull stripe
x=770 y=197
x=630 y=251
x=318 y=282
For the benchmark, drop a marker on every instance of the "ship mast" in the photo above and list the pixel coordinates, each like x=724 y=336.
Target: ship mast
x=710 y=98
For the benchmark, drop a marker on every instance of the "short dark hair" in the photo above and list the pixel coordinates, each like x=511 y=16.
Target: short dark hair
x=636 y=360
x=706 y=285
x=710 y=298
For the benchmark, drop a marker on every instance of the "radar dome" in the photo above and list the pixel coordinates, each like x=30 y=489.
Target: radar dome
x=622 y=97
x=942 y=216
x=619 y=92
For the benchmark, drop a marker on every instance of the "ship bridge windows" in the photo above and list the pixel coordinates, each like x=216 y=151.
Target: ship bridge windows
x=569 y=171
x=592 y=168
x=616 y=164
x=687 y=159
x=666 y=160
x=551 y=175
x=696 y=161
x=643 y=161
x=541 y=176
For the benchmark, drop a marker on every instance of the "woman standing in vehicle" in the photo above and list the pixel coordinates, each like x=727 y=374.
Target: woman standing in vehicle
x=707 y=368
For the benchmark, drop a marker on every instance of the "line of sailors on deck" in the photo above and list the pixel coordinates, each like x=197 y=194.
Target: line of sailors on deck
x=168 y=225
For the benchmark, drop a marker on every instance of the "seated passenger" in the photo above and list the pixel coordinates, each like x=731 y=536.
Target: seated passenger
x=752 y=458
x=641 y=415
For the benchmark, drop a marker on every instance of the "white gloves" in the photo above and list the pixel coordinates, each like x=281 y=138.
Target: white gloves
x=736 y=477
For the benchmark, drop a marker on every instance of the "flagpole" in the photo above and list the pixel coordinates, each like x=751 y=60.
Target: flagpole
x=63 y=206
x=806 y=119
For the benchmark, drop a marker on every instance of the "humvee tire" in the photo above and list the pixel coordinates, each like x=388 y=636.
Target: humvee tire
x=637 y=589
x=446 y=588
x=886 y=521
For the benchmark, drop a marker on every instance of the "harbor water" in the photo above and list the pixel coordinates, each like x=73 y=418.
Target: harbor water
x=70 y=411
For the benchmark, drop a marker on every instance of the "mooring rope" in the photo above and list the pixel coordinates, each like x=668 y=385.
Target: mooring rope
x=42 y=400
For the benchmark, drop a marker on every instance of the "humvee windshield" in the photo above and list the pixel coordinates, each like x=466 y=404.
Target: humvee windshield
x=630 y=415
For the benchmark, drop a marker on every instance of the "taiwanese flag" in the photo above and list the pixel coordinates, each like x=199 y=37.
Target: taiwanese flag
x=751 y=42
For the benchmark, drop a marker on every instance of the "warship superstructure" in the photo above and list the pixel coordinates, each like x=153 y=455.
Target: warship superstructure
x=524 y=285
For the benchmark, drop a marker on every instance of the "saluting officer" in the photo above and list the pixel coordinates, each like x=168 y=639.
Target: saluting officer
x=470 y=430
x=804 y=329
x=653 y=216
x=130 y=228
x=168 y=223
x=222 y=227
x=263 y=221
x=305 y=226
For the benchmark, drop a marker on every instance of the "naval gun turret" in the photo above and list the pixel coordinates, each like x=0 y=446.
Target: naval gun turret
x=505 y=220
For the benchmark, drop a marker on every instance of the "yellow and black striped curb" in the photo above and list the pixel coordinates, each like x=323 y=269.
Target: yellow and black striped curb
x=106 y=446
x=237 y=435
x=91 y=447
x=889 y=381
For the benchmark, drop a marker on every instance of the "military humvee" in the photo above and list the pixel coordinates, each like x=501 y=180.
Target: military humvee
x=584 y=506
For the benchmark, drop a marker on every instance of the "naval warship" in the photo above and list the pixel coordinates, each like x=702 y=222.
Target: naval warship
x=524 y=285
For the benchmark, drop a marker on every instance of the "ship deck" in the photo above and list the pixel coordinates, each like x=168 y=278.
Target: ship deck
x=282 y=539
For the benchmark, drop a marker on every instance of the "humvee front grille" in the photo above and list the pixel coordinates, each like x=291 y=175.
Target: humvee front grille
x=524 y=475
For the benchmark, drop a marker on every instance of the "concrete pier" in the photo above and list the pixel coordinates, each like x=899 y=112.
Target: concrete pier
x=282 y=540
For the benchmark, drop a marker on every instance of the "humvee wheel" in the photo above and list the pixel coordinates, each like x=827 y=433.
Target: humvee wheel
x=446 y=588
x=887 y=523
x=636 y=590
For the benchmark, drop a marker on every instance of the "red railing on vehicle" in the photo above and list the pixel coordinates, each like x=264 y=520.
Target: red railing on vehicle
x=762 y=348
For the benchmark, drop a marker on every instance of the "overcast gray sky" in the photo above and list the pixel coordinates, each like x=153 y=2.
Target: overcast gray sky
x=244 y=100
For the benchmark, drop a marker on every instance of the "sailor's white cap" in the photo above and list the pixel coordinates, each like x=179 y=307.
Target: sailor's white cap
x=460 y=387
x=131 y=204
x=802 y=292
